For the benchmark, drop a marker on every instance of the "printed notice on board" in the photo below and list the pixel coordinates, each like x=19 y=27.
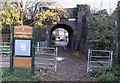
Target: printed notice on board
x=22 y=47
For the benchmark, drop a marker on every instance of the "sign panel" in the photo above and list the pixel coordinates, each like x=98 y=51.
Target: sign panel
x=22 y=62
x=22 y=50
x=22 y=47
x=22 y=32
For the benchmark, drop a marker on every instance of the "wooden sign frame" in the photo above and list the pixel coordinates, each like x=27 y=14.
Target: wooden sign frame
x=20 y=33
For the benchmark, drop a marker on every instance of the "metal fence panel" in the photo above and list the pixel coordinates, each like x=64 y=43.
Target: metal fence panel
x=46 y=57
x=5 y=48
x=97 y=61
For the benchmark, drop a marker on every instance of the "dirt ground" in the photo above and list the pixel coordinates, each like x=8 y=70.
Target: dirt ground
x=71 y=68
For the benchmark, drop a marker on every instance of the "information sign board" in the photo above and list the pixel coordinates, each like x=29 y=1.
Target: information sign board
x=22 y=32
x=22 y=47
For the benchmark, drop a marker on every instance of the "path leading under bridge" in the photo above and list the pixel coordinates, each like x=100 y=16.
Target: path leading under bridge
x=71 y=67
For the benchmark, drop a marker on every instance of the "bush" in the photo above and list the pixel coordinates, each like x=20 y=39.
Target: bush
x=53 y=37
x=101 y=31
x=19 y=74
x=98 y=71
x=107 y=77
x=53 y=42
x=116 y=70
x=104 y=74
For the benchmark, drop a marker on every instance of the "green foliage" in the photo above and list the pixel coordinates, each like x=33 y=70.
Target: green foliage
x=101 y=31
x=19 y=74
x=85 y=8
x=40 y=34
x=53 y=37
x=53 y=42
x=106 y=75
x=9 y=14
x=116 y=71
x=98 y=71
x=49 y=16
x=42 y=13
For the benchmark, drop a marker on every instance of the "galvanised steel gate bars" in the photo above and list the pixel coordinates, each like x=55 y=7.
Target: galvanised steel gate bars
x=46 y=57
x=99 y=60
x=5 y=48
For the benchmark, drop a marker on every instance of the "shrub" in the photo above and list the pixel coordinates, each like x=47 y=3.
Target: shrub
x=19 y=74
x=116 y=70
x=53 y=37
x=107 y=77
x=98 y=71
x=53 y=42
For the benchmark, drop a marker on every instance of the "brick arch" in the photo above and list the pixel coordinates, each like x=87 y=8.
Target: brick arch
x=68 y=29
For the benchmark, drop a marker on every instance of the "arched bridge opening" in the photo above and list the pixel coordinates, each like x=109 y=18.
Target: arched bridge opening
x=64 y=27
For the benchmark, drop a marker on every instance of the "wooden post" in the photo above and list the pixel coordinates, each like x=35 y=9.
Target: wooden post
x=11 y=47
x=33 y=51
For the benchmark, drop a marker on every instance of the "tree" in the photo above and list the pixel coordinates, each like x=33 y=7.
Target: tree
x=37 y=14
x=42 y=13
x=49 y=16
x=9 y=14
x=102 y=31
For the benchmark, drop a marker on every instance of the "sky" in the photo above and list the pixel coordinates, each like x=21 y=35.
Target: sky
x=110 y=5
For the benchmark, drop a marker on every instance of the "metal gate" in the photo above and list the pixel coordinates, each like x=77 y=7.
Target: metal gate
x=46 y=57
x=4 y=48
x=99 y=60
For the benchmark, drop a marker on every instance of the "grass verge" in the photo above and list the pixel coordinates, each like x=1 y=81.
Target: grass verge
x=19 y=74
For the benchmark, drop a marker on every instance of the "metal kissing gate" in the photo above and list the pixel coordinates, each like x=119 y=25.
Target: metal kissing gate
x=99 y=60
x=46 y=57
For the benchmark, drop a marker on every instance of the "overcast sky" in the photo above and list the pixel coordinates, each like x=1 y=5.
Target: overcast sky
x=110 y=5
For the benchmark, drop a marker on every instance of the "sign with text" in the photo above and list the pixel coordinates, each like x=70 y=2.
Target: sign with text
x=22 y=47
x=22 y=32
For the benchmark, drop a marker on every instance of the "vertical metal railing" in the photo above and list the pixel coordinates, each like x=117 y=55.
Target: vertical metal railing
x=55 y=58
x=99 y=59
x=42 y=44
x=46 y=57
x=88 y=64
x=5 y=49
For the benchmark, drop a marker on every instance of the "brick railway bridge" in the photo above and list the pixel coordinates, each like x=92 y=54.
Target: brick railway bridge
x=75 y=25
